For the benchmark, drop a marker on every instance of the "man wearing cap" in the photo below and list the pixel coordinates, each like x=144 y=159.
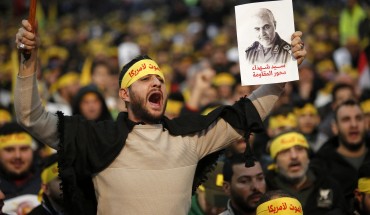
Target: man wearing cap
x=244 y=186
x=142 y=163
x=294 y=173
x=50 y=193
x=269 y=48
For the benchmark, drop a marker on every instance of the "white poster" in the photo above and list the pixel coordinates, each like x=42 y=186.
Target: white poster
x=264 y=31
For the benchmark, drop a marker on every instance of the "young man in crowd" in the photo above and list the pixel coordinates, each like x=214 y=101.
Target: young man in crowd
x=317 y=192
x=139 y=147
x=19 y=175
x=244 y=186
x=343 y=154
x=50 y=194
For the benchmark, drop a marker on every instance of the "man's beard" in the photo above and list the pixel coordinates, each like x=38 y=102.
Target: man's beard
x=139 y=110
x=353 y=147
x=283 y=175
x=243 y=203
x=14 y=176
x=57 y=198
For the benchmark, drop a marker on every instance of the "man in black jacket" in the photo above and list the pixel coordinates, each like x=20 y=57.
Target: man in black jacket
x=343 y=154
x=294 y=173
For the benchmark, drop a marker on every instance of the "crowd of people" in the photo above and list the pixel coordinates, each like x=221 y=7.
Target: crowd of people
x=315 y=141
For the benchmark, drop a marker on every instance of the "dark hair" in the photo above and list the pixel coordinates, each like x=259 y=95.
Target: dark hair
x=101 y=63
x=129 y=64
x=235 y=159
x=49 y=160
x=284 y=110
x=340 y=86
x=349 y=102
x=273 y=194
x=11 y=128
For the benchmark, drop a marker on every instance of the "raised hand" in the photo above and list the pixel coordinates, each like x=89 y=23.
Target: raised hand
x=298 y=49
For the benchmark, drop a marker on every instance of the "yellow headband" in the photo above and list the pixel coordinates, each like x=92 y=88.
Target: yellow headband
x=49 y=173
x=280 y=206
x=364 y=185
x=283 y=121
x=307 y=109
x=365 y=106
x=21 y=138
x=68 y=79
x=286 y=141
x=139 y=70
x=5 y=116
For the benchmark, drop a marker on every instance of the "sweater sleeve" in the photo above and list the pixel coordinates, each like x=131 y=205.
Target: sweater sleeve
x=31 y=114
x=265 y=97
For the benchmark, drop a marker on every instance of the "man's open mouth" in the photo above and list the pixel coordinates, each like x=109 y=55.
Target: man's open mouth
x=155 y=98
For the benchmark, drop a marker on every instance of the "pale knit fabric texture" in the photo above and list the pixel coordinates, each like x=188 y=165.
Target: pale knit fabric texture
x=154 y=172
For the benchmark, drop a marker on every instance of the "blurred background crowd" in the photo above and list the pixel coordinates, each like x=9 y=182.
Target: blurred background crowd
x=84 y=44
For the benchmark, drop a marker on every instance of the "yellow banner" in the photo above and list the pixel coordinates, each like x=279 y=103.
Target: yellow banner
x=280 y=206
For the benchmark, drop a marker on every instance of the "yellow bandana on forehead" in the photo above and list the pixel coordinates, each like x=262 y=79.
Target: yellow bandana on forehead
x=364 y=185
x=283 y=121
x=286 y=141
x=307 y=109
x=139 y=70
x=280 y=206
x=49 y=173
x=15 y=139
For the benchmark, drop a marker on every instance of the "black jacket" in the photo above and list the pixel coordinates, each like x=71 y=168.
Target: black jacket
x=338 y=168
x=325 y=197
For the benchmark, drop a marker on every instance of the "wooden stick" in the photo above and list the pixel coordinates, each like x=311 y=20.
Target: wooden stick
x=32 y=14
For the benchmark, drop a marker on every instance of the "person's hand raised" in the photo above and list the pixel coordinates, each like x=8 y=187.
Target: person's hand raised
x=298 y=49
x=203 y=79
x=26 y=39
